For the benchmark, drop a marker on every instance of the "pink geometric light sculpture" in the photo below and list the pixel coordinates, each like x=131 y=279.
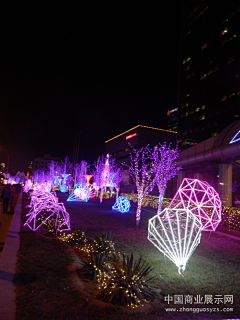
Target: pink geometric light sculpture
x=203 y=201
x=46 y=204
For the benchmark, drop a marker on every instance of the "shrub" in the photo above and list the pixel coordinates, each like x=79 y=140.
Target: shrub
x=127 y=285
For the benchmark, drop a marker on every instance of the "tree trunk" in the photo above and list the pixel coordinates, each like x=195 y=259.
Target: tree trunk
x=138 y=213
x=160 y=203
x=101 y=197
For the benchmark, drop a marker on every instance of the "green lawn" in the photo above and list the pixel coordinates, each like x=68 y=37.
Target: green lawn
x=48 y=287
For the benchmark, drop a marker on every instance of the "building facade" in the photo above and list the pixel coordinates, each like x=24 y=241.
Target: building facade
x=209 y=86
x=43 y=162
x=139 y=136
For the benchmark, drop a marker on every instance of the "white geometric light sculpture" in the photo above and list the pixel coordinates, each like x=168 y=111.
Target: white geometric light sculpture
x=176 y=233
x=46 y=204
x=203 y=201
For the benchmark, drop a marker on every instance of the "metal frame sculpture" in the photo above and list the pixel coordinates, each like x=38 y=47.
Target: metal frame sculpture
x=46 y=203
x=203 y=201
x=176 y=233
x=81 y=192
x=122 y=204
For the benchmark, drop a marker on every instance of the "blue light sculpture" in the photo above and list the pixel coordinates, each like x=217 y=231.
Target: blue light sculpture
x=81 y=192
x=122 y=204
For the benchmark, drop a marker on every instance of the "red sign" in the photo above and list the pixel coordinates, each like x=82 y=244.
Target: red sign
x=168 y=112
x=131 y=136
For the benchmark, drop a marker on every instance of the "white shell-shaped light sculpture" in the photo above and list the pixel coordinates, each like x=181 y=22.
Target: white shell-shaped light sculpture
x=176 y=233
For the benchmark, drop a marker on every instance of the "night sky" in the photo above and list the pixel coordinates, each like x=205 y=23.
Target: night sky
x=98 y=67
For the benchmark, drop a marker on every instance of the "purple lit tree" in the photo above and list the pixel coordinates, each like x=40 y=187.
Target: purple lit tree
x=97 y=172
x=52 y=167
x=233 y=187
x=66 y=167
x=164 y=159
x=141 y=170
x=81 y=170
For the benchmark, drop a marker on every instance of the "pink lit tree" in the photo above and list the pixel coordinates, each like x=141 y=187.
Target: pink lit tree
x=164 y=159
x=141 y=170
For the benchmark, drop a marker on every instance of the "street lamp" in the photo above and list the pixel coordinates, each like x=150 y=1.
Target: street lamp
x=7 y=158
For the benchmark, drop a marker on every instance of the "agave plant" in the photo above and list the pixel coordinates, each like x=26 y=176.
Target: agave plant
x=94 y=268
x=103 y=244
x=77 y=237
x=127 y=285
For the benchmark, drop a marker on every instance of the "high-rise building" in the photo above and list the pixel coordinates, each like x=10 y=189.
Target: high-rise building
x=209 y=86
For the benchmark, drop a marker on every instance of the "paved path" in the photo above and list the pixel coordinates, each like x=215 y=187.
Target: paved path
x=7 y=266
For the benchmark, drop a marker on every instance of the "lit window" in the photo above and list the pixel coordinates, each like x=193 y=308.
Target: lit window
x=223 y=98
x=203 y=76
x=232 y=37
x=236 y=116
x=203 y=107
x=197 y=109
x=186 y=60
x=225 y=20
x=214 y=134
x=203 y=46
x=202 y=117
x=231 y=95
x=186 y=114
x=224 y=31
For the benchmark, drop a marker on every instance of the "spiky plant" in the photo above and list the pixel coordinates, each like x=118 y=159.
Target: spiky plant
x=103 y=244
x=127 y=285
x=94 y=267
x=77 y=237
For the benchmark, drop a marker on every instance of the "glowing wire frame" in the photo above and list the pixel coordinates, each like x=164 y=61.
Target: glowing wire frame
x=46 y=204
x=122 y=204
x=81 y=192
x=235 y=138
x=203 y=201
x=176 y=233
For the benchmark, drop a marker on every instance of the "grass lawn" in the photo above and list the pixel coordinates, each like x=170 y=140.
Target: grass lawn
x=48 y=287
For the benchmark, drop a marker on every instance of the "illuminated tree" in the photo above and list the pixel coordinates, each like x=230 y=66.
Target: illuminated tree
x=117 y=180
x=81 y=170
x=164 y=159
x=66 y=168
x=233 y=187
x=97 y=172
x=141 y=170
